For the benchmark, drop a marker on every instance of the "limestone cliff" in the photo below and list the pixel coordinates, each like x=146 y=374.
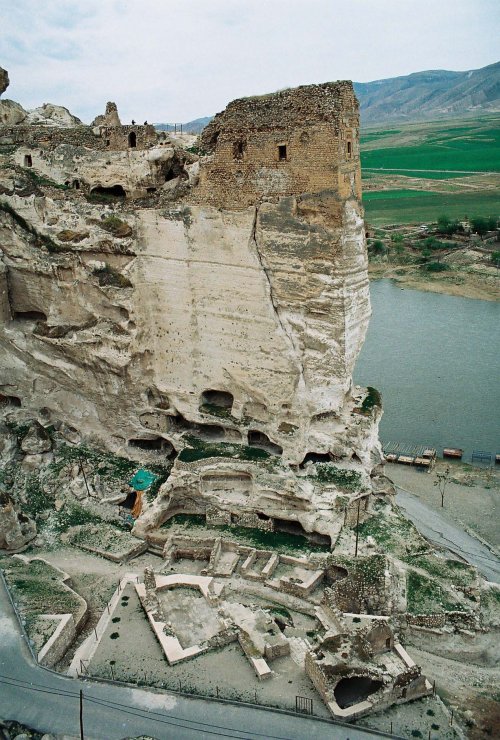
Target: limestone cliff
x=157 y=300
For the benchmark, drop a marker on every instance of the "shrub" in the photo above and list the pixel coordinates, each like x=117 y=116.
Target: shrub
x=372 y=399
x=116 y=226
x=108 y=276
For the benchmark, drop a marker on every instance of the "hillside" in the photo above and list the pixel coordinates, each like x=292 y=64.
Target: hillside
x=431 y=94
x=421 y=96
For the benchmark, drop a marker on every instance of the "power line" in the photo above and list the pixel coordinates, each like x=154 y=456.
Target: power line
x=138 y=712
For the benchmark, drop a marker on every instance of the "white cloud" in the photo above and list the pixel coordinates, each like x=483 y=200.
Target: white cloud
x=176 y=61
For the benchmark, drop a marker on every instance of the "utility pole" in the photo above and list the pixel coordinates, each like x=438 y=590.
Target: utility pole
x=357 y=530
x=81 y=715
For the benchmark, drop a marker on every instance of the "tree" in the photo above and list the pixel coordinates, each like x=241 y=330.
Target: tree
x=443 y=224
x=442 y=482
x=479 y=226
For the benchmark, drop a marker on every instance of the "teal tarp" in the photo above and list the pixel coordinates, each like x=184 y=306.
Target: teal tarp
x=142 y=480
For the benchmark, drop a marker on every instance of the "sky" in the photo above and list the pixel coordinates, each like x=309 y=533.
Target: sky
x=176 y=60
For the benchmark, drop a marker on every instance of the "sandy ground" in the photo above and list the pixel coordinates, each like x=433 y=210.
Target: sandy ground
x=472 y=503
x=463 y=284
x=129 y=651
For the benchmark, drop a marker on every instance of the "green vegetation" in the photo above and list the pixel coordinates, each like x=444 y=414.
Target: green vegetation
x=200 y=450
x=108 y=276
x=427 y=596
x=37 y=588
x=451 y=571
x=373 y=399
x=258 y=538
x=40 y=180
x=115 y=226
x=425 y=206
x=394 y=533
x=220 y=411
x=432 y=151
x=435 y=267
x=348 y=480
x=473 y=146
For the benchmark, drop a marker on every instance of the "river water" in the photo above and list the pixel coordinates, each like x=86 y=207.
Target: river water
x=435 y=359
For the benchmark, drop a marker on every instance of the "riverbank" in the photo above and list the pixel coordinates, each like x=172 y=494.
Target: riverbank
x=472 y=497
x=463 y=284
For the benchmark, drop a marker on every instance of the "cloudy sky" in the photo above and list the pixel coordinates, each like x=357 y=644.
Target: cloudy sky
x=175 y=60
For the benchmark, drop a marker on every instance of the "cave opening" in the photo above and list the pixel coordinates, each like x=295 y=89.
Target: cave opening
x=262 y=441
x=221 y=399
x=296 y=528
x=115 y=191
x=355 y=689
x=13 y=401
x=152 y=444
x=29 y=315
x=315 y=457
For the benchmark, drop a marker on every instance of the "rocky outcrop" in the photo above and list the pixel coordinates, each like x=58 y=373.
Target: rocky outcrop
x=16 y=529
x=226 y=306
x=11 y=113
x=4 y=80
x=53 y=115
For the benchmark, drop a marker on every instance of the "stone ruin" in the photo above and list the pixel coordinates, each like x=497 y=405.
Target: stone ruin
x=204 y=307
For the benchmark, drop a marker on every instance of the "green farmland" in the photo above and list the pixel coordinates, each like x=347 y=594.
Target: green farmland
x=417 y=206
x=470 y=147
x=408 y=169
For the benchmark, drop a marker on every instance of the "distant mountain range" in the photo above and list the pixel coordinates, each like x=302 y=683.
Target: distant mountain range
x=421 y=96
x=429 y=95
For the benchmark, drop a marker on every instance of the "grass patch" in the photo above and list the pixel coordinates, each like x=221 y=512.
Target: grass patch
x=452 y=571
x=260 y=539
x=41 y=180
x=37 y=588
x=427 y=596
x=199 y=450
x=474 y=146
x=347 y=480
x=393 y=533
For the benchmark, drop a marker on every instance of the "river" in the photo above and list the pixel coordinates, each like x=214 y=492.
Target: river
x=435 y=359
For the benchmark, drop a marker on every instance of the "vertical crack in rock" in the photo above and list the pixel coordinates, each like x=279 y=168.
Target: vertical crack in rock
x=285 y=329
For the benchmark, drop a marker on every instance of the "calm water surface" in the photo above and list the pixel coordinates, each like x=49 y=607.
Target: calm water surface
x=435 y=358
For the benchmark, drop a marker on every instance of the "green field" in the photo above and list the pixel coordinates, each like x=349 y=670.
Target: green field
x=473 y=146
x=409 y=206
x=426 y=151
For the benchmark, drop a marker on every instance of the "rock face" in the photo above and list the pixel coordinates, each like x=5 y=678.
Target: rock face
x=16 y=529
x=53 y=115
x=11 y=113
x=4 y=80
x=223 y=311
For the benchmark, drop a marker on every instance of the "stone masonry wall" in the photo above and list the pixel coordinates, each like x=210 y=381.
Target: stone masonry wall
x=303 y=140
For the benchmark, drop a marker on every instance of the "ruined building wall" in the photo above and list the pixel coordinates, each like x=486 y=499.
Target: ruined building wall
x=302 y=140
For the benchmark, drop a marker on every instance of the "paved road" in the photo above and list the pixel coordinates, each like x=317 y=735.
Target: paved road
x=438 y=529
x=49 y=702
